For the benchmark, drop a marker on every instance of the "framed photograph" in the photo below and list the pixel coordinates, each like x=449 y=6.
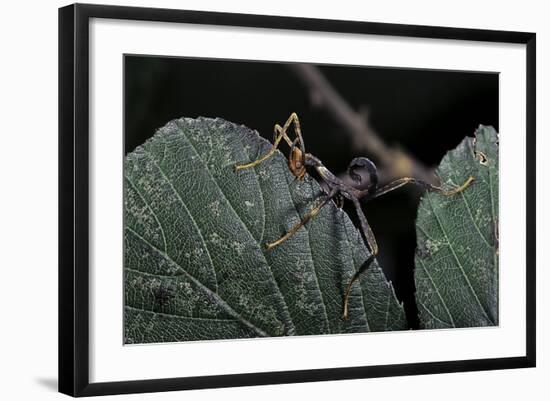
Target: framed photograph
x=252 y=199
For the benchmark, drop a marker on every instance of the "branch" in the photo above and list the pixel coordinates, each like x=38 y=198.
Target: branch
x=397 y=163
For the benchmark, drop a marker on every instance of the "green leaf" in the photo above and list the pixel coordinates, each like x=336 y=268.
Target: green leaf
x=196 y=265
x=457 y=253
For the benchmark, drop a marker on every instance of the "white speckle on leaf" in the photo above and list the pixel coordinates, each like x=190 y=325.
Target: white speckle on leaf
x=215 y=239
x=263 y=174
x=433 y=246
x=215 y=208
x=238 y=247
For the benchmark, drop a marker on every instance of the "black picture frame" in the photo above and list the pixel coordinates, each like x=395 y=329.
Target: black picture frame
x=74 y=198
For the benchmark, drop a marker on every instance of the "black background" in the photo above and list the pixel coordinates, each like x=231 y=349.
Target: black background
x=424 y=112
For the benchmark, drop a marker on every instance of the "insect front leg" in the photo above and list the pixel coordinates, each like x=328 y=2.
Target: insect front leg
x=278 y=134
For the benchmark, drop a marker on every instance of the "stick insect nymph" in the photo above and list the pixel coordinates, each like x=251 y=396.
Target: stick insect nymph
x=299 y=160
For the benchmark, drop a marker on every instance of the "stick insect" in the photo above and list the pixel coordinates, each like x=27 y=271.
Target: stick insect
x=299 y=160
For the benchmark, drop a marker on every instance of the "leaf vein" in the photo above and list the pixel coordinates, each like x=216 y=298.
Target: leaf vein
x=152 y=212
x=457 y=260
x=315 y=274
x=174 y=316
x=431 y=314
x=207 y=169
x=213 y=294
x=165 y=177
x=437 y=292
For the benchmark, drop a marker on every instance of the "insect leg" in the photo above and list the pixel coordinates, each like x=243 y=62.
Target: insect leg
x=278 y=134
x=355 y=277
x=312 y=213
x=298 y=131
x=406 y=180
x=373 y=247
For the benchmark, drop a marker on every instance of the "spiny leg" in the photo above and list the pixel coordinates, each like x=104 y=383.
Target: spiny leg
x=373 y=247
x=312 y=213
x=406 y=180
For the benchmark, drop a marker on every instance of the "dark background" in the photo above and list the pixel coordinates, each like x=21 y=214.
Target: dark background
x=424 y=112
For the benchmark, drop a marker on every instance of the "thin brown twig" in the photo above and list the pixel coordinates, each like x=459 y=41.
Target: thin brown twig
x=395 y=162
